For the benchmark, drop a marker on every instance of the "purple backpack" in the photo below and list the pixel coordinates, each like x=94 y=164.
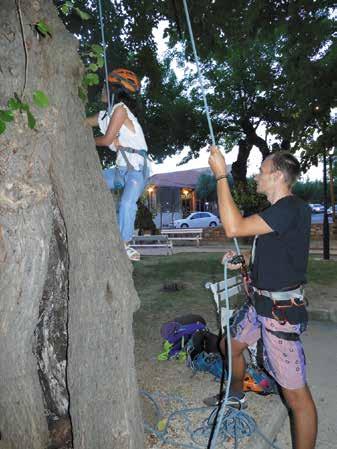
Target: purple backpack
x=180 y=330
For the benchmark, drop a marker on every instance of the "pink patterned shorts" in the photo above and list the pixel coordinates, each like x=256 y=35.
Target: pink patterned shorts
x=283 y=359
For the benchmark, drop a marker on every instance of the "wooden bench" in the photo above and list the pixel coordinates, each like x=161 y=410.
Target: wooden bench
x=234 y=287
x=152 y=241
x=183 y=234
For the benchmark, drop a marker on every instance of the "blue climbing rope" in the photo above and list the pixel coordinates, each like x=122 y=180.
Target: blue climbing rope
x=236 y=423
x=201 y=82
x=199 y=72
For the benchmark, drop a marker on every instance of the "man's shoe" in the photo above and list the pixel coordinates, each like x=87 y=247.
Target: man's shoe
x=234 y=400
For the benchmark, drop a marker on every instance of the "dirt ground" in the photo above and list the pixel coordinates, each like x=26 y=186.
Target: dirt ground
x=174 y=378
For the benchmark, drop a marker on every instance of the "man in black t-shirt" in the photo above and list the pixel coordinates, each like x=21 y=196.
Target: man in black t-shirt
x=276 y=311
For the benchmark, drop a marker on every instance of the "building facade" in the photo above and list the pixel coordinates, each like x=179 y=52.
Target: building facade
x=173 y=195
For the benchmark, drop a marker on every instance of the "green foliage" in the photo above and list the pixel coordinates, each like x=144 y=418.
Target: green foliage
x=15 y=104
x=94 y=60
x=6 y=116
x=40 y=99
x=128 y=27
x=43 y=29
x=90 y=79
x=31 y=120
x=69 y=7
x=2 y=126
x=312 y=191
x=265 y=63
x=206 y=187
x=144 y=218
x=247 y=199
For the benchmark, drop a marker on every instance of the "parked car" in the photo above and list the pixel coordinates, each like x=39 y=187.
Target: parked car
x=317 y=208
x=330 y=210
x=197 y=220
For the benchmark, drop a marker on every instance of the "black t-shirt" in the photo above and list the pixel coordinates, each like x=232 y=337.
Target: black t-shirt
x=281 y=257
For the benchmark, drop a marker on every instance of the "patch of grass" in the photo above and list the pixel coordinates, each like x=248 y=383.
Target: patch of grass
x=194 y=270
x=322 y=272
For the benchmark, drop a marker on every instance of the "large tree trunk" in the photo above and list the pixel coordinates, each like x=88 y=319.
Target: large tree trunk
x=67 y=296
x=253 y=139
x=239 y=167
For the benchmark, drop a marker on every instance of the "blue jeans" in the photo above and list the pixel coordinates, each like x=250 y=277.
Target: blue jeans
x=133 y=184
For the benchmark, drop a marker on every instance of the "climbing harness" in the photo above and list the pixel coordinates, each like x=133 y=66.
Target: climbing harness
x=143 y=153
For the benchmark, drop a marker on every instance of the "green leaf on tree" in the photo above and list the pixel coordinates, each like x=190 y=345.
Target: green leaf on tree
x=91 y=79
x=43 y=28
x=24 y=107
x=82 y=93
x=40 y=99
x=65 y=8
x=31 y=120
x=98 y=49
x=84 y=15
x=13 y=104
x=100 y=61
x=2 y=127
x=93 y=67
x=6 y=116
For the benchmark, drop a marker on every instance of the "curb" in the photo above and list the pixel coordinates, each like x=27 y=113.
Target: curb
x=323 y=315
x=270 y=428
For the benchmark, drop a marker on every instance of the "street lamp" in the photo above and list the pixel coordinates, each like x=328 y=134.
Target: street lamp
x=326 y=233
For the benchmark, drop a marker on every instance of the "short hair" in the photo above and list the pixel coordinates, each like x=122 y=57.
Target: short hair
x=287 y=164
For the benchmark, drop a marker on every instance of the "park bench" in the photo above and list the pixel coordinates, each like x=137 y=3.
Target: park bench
x=152 y=241
x=234 y=287
x=183 y=234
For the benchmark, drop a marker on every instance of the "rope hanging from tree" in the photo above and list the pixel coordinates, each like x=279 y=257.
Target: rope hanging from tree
x=196 y=58
x=104 y=54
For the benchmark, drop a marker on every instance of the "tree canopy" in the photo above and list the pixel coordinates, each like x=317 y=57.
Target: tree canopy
x=267 y=66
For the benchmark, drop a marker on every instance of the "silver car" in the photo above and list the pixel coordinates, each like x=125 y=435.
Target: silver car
x=198 y=220
x=317 y=208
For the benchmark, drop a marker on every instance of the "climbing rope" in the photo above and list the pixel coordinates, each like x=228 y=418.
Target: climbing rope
x=104 y=54
x=236 y=423
x=201 y=82
x=199 y=72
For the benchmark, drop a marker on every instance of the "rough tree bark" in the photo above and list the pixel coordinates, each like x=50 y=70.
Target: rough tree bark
x=59 y=250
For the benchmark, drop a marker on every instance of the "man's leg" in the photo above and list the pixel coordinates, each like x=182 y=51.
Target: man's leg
x=238 y=364
x=285 y=360
x=304 y=416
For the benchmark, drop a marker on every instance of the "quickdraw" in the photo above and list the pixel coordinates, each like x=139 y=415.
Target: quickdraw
x=279 y=308
x=239 y=259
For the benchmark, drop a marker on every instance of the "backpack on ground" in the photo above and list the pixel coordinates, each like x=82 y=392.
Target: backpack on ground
x=178 y=332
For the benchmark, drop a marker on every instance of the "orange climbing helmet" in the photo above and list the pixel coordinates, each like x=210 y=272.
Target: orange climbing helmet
x=125 y=78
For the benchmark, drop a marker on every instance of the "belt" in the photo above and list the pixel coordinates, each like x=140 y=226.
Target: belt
x=288 y=295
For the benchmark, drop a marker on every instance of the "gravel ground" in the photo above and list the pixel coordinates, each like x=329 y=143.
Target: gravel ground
x=174 y=378
x=320 y=347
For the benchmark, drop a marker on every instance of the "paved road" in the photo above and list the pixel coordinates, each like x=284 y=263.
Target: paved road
x=320 y=347
x=318 y=218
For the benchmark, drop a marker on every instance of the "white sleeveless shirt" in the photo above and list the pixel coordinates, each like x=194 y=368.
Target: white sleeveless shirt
x=127 y=138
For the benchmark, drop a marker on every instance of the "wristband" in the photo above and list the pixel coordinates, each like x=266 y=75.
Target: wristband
x=221 y=177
